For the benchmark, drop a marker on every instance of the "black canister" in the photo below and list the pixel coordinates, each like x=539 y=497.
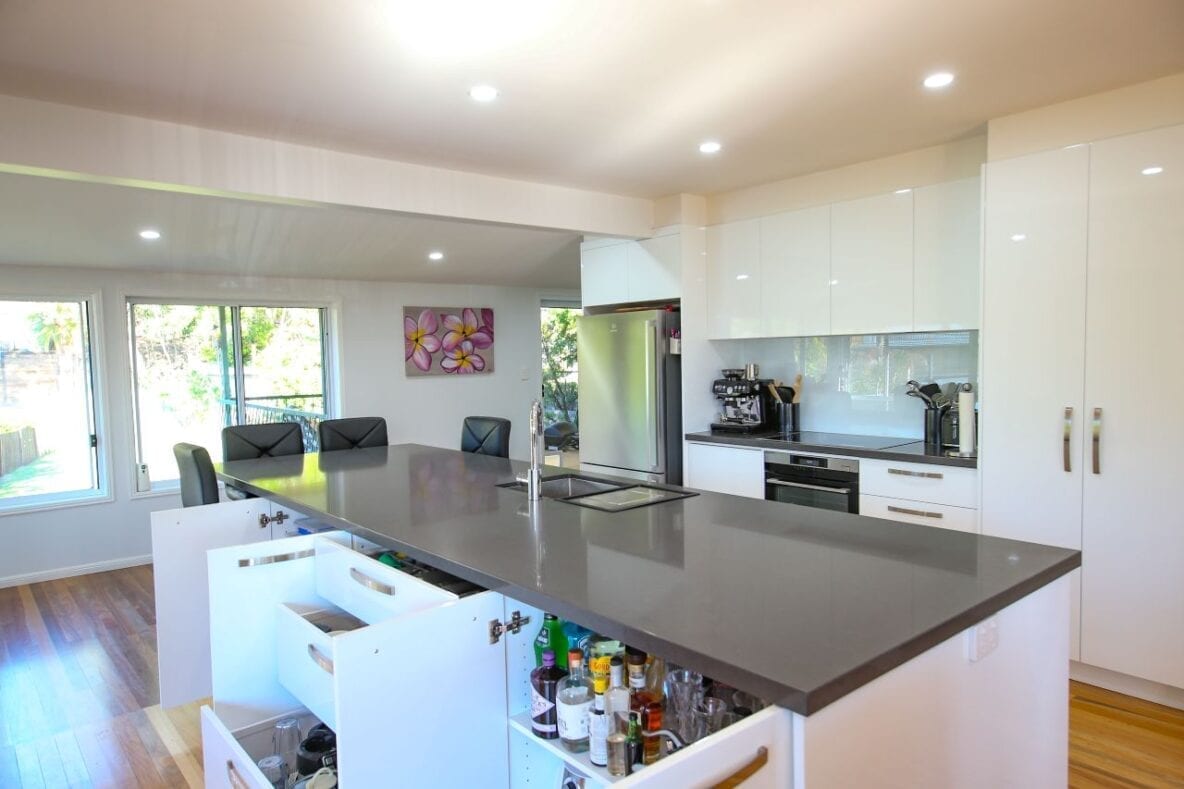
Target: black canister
x=788 y=417
x=933 y=420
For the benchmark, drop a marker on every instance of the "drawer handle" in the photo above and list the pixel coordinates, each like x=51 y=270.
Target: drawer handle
x=926 y=474
x=323 y=662
x=1067 y=461
x=370 y=583
x=918 y=513
x=745 y=772
x=276 y=559
x=232 y=775
x=1097 y=440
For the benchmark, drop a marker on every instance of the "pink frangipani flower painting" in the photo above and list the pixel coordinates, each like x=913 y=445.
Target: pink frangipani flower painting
x=447 y=340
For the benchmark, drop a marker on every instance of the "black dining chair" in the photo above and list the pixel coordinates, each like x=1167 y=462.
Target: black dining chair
x=486 y=435
x=199 y=485
x=355 y=432
x=247 y=442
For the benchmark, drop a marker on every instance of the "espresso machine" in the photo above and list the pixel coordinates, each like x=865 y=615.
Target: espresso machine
x=747 y=404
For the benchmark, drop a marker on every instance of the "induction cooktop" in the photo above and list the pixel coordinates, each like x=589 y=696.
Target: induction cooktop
x=847 y=440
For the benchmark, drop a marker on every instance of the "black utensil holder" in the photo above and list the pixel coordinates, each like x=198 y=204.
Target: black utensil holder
x=788 y=417
x=933 y=420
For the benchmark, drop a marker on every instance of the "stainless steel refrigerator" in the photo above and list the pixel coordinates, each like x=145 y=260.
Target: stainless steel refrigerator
x=630 y=395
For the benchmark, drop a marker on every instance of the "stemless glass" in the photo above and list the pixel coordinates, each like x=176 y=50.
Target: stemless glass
x=708 y=715
x=742 y=702
x=684 y=689
x=285 y=739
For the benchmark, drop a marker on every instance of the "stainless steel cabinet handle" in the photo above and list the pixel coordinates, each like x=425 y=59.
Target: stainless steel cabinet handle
x=918 y=513
x=1097 y=431
x=276 y=559
x=232 y=775
x=823 y=488
x=926 y=474
x=747 y=771
x=1068 y=437
x=370 y=583
x=324 y=663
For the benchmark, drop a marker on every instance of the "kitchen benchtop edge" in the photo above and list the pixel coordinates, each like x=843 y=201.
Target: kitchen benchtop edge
x=896 y=453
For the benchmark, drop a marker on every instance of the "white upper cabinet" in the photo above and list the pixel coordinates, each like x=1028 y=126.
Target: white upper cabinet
x=945 y=256
x=872 y=265
x=628 y=271
x=1133 y=533
x=795 y=273
x=734 y=280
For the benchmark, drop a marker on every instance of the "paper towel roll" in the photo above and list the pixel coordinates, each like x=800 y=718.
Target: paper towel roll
x=966 y=423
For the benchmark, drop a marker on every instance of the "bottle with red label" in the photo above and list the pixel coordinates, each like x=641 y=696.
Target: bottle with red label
x=544 y=692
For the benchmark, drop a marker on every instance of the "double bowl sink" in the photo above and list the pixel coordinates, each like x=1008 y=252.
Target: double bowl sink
x=601 y=494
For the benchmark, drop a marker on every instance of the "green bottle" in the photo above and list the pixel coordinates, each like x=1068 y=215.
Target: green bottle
x=552 y=637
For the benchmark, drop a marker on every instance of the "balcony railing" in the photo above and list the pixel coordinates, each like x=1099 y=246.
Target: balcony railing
x=259 y=413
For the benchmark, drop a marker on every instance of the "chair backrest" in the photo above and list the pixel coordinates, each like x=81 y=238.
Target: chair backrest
x=199 y=485
x=247 y=442
x=355 y=432
x=486 y=435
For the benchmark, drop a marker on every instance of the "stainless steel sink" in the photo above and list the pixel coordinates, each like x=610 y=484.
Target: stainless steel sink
x=567 y=486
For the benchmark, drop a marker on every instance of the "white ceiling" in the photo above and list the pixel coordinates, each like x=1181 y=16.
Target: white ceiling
x=611 y=94
x=47 y=221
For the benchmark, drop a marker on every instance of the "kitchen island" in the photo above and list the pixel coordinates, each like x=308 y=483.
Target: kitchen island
x=898 y=654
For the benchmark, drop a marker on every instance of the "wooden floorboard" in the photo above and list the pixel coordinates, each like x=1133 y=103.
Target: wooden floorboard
x=79 y=704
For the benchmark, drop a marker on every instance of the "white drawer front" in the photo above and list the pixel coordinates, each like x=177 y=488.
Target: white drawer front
x=227 y=765
x=304 y=663
x=369 y=589
x=922 y=512
x=759 y=747
x=951 y=485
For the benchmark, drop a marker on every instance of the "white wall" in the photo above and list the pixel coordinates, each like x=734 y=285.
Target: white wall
x=368 y=339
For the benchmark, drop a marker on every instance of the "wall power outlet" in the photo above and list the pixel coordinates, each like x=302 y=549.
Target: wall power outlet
x=982 y=639
x=143 y=481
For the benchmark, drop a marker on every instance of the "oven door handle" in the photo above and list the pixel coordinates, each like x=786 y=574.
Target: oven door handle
x=823 y=488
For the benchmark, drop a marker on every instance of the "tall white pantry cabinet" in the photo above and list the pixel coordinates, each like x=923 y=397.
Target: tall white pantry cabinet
x=1082 y=332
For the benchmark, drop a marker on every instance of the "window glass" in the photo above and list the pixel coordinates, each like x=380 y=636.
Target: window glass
x=191 y=379
x=47 y=434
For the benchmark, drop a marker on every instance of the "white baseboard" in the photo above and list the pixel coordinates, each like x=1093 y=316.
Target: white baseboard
x=69 y=572
x=1124 y=683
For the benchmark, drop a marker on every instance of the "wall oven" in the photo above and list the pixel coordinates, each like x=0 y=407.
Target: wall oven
x=812 y=481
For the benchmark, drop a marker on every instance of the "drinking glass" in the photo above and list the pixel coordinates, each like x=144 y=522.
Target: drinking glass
x=275 y=771
x=684 y=689
x=707 y=716
x=285 y=739
x=728 y=718
x=746 y=701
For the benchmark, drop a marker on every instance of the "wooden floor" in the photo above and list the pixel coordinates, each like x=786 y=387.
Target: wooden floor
x=78 y=700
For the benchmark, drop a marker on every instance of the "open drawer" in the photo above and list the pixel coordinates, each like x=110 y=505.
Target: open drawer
x=230 y=758
x=369 y=589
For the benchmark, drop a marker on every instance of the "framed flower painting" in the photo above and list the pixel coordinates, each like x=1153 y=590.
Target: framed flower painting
x=447 y=340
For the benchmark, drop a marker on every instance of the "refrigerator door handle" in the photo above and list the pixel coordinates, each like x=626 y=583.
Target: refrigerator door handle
x=651 y=390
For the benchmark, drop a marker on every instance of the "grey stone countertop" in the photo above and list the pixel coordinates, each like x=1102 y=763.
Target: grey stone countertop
x=797 y=605
x=908 y=450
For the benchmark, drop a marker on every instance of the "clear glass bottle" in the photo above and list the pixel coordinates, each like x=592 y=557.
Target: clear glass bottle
x=599 y=725
x=544 y=690
x=651 y=721
x=616 y=702
x=633 y=744
x=575 y=704
x=618 y=753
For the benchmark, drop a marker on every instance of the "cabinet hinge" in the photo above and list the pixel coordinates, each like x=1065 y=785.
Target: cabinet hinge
x=279 y=517
x=497 y=628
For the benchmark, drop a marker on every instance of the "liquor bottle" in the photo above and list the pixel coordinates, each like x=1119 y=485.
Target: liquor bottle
x=599 y=725
x=655 y=677
x=651 y=721
x=640 y=698
x=598 y=669
x=575 y=704
x=544 y=687
x=616 y=702
x=633 y=746
x=579 y=637
x=603 y=646
x=551 y=637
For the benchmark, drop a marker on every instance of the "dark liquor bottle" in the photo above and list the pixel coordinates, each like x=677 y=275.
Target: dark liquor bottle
x=544 y=690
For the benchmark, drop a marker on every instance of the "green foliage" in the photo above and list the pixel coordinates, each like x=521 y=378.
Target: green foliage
x=560 y=373
x=56 y=327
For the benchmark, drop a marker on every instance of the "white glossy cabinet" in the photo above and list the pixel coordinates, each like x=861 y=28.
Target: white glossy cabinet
x=923 y=513
x=1133 y=532
x=734 y=280
x=871 y=265
x=631 y=271
x=1084 y=260
x=795 y=273
x=725 y=469
x=1033 y=351
x=951 y=485
x=946 y=220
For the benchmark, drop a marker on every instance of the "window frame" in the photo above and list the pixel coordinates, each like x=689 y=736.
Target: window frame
x=329 y=373
x=101 y=458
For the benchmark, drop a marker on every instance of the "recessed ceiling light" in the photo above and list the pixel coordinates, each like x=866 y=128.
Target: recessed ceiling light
x=741 y=276
x=903 y=191
x=1156 y=170
x=711 y=146
x=940 y=79
x=149 y=234
x=483 y=93
x=1019 y=237
x=435 y=256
